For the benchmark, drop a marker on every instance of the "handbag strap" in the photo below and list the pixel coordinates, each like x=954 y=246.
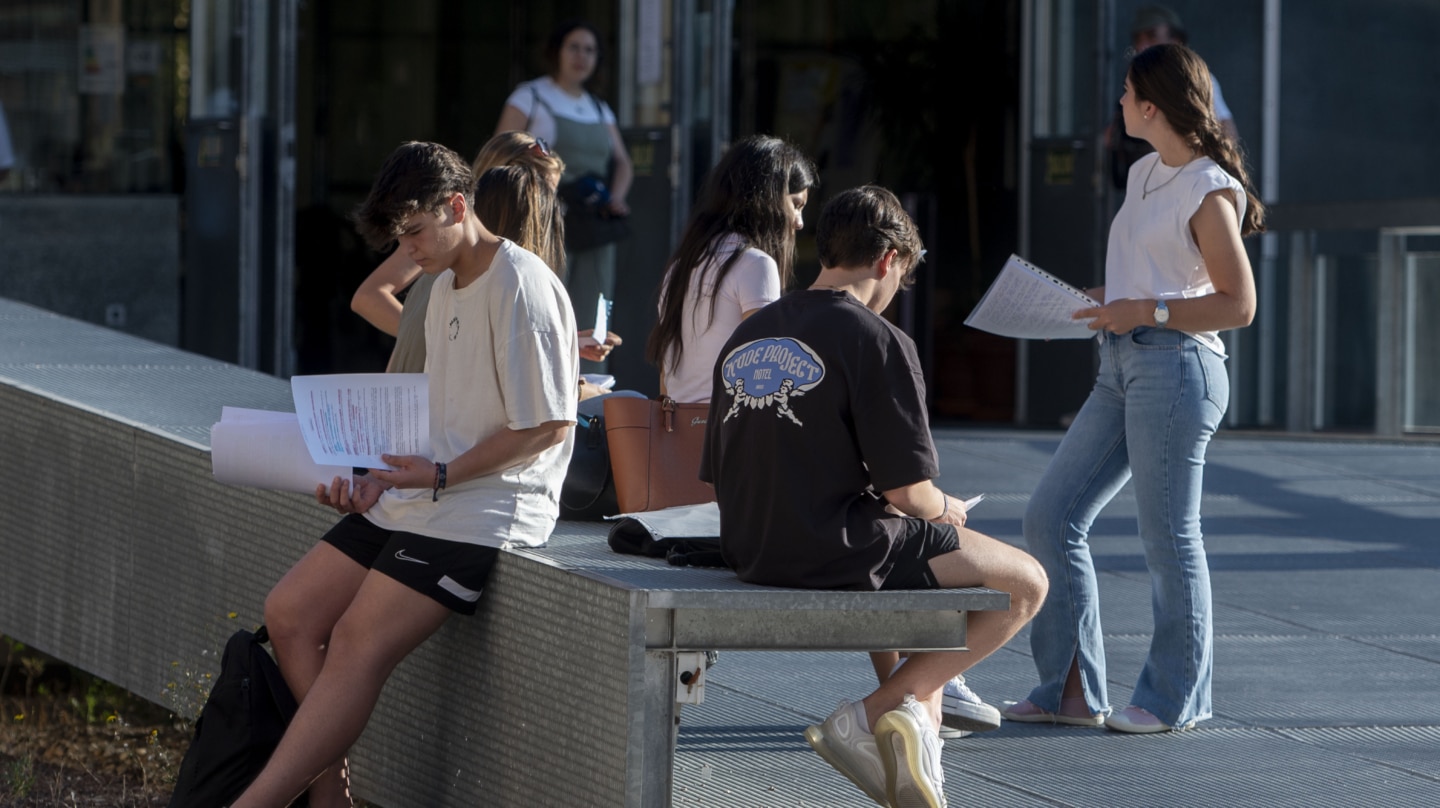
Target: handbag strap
x=668 y=406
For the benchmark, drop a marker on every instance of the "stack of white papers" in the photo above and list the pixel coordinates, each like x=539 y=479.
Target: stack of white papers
x=1026 y=302
x=264 y=449
x=340 y=421
x=602 y=380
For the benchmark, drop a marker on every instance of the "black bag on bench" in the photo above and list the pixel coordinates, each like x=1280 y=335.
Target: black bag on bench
x=632 y=537
x=588 y=493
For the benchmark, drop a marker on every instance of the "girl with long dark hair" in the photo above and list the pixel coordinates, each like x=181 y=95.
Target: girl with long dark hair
x=737 y=254
x=1176 y=274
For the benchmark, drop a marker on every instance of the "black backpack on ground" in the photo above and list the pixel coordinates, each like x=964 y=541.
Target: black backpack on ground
x=240 y=725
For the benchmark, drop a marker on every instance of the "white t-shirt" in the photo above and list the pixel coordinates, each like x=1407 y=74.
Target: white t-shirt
x=1152 y=253
x=753 y=282
x=501 y=354
x=542 y=125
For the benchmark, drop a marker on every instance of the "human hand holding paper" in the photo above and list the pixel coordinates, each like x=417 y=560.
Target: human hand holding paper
x=1118 y=317
x=1028 y=303
x=406 y=471
x=346 y=497
x=593 y=349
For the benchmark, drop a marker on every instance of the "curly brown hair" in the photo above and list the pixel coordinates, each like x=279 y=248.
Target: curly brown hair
x=415 y=177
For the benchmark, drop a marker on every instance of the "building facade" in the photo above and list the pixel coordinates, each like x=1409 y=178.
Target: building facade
x=184 y=169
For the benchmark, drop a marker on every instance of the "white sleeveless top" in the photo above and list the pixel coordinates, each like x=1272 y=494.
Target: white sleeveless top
x=1152 y=253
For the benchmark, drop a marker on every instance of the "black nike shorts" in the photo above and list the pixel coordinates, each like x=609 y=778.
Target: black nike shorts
x=451 y=572
x=910 y=555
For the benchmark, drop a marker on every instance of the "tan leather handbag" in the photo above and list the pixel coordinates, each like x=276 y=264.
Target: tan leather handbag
x=655 y=448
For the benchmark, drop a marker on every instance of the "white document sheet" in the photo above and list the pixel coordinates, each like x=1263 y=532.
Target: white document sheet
x=1027 y=302
x=602 y=319
x=602 y=380
x=264 y=449
x=352 y=419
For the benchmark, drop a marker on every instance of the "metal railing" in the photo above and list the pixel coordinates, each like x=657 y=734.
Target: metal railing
x=1344 y=338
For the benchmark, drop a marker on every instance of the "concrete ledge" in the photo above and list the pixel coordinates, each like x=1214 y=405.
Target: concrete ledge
x=120 y=554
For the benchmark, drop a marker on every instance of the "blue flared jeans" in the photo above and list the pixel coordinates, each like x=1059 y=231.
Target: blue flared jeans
x=1159 y=397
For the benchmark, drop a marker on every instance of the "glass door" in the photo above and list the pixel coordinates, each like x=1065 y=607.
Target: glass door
x=240 y=156
x=1063 y=203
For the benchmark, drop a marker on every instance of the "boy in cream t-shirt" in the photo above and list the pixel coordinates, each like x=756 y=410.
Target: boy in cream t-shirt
x=420 y=539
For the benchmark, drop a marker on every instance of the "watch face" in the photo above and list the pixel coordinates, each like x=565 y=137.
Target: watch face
x=1162 y=314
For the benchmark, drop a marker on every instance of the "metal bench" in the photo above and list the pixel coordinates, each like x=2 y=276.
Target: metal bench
x=676 y=613
x=120 y=554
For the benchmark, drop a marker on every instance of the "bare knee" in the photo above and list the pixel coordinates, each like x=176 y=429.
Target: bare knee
x=1030 y=587
x=354 y=644
x=288 y=619
x=1024 y=579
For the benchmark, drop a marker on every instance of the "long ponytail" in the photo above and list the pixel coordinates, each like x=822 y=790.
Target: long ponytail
x=1175 y=79
x=1212 y=142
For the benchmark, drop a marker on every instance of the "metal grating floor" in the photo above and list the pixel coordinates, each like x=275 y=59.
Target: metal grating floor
x=1325 y=559
x=744 y=747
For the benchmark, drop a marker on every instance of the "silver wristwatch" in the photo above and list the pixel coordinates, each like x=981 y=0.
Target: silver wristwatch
x=1162 y=314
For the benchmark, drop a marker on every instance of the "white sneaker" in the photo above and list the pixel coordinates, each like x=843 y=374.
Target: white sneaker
x=961 y=709
x=910 y=751
x=847 y=744
x=962 y=713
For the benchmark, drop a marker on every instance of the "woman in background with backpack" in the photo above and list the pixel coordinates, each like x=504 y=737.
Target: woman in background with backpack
x=582 y=130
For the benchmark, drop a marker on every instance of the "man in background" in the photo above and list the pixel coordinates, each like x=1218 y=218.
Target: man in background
x=1155 y=25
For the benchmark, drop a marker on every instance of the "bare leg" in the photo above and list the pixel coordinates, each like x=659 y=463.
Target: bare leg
x=884 y=662
x=1072 y=689
x=980 y=561
x=300 y=613
x=385 y=622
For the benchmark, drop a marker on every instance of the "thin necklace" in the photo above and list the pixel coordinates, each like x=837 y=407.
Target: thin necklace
x=1145 y=186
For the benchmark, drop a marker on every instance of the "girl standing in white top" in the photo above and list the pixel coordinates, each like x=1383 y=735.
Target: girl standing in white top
x=1176 y=274
x=735 y=256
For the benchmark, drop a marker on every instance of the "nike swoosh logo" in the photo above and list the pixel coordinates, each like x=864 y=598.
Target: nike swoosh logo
x=400 y=554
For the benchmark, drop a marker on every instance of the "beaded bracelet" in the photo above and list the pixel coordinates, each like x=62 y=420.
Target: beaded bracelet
x=439 y=482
